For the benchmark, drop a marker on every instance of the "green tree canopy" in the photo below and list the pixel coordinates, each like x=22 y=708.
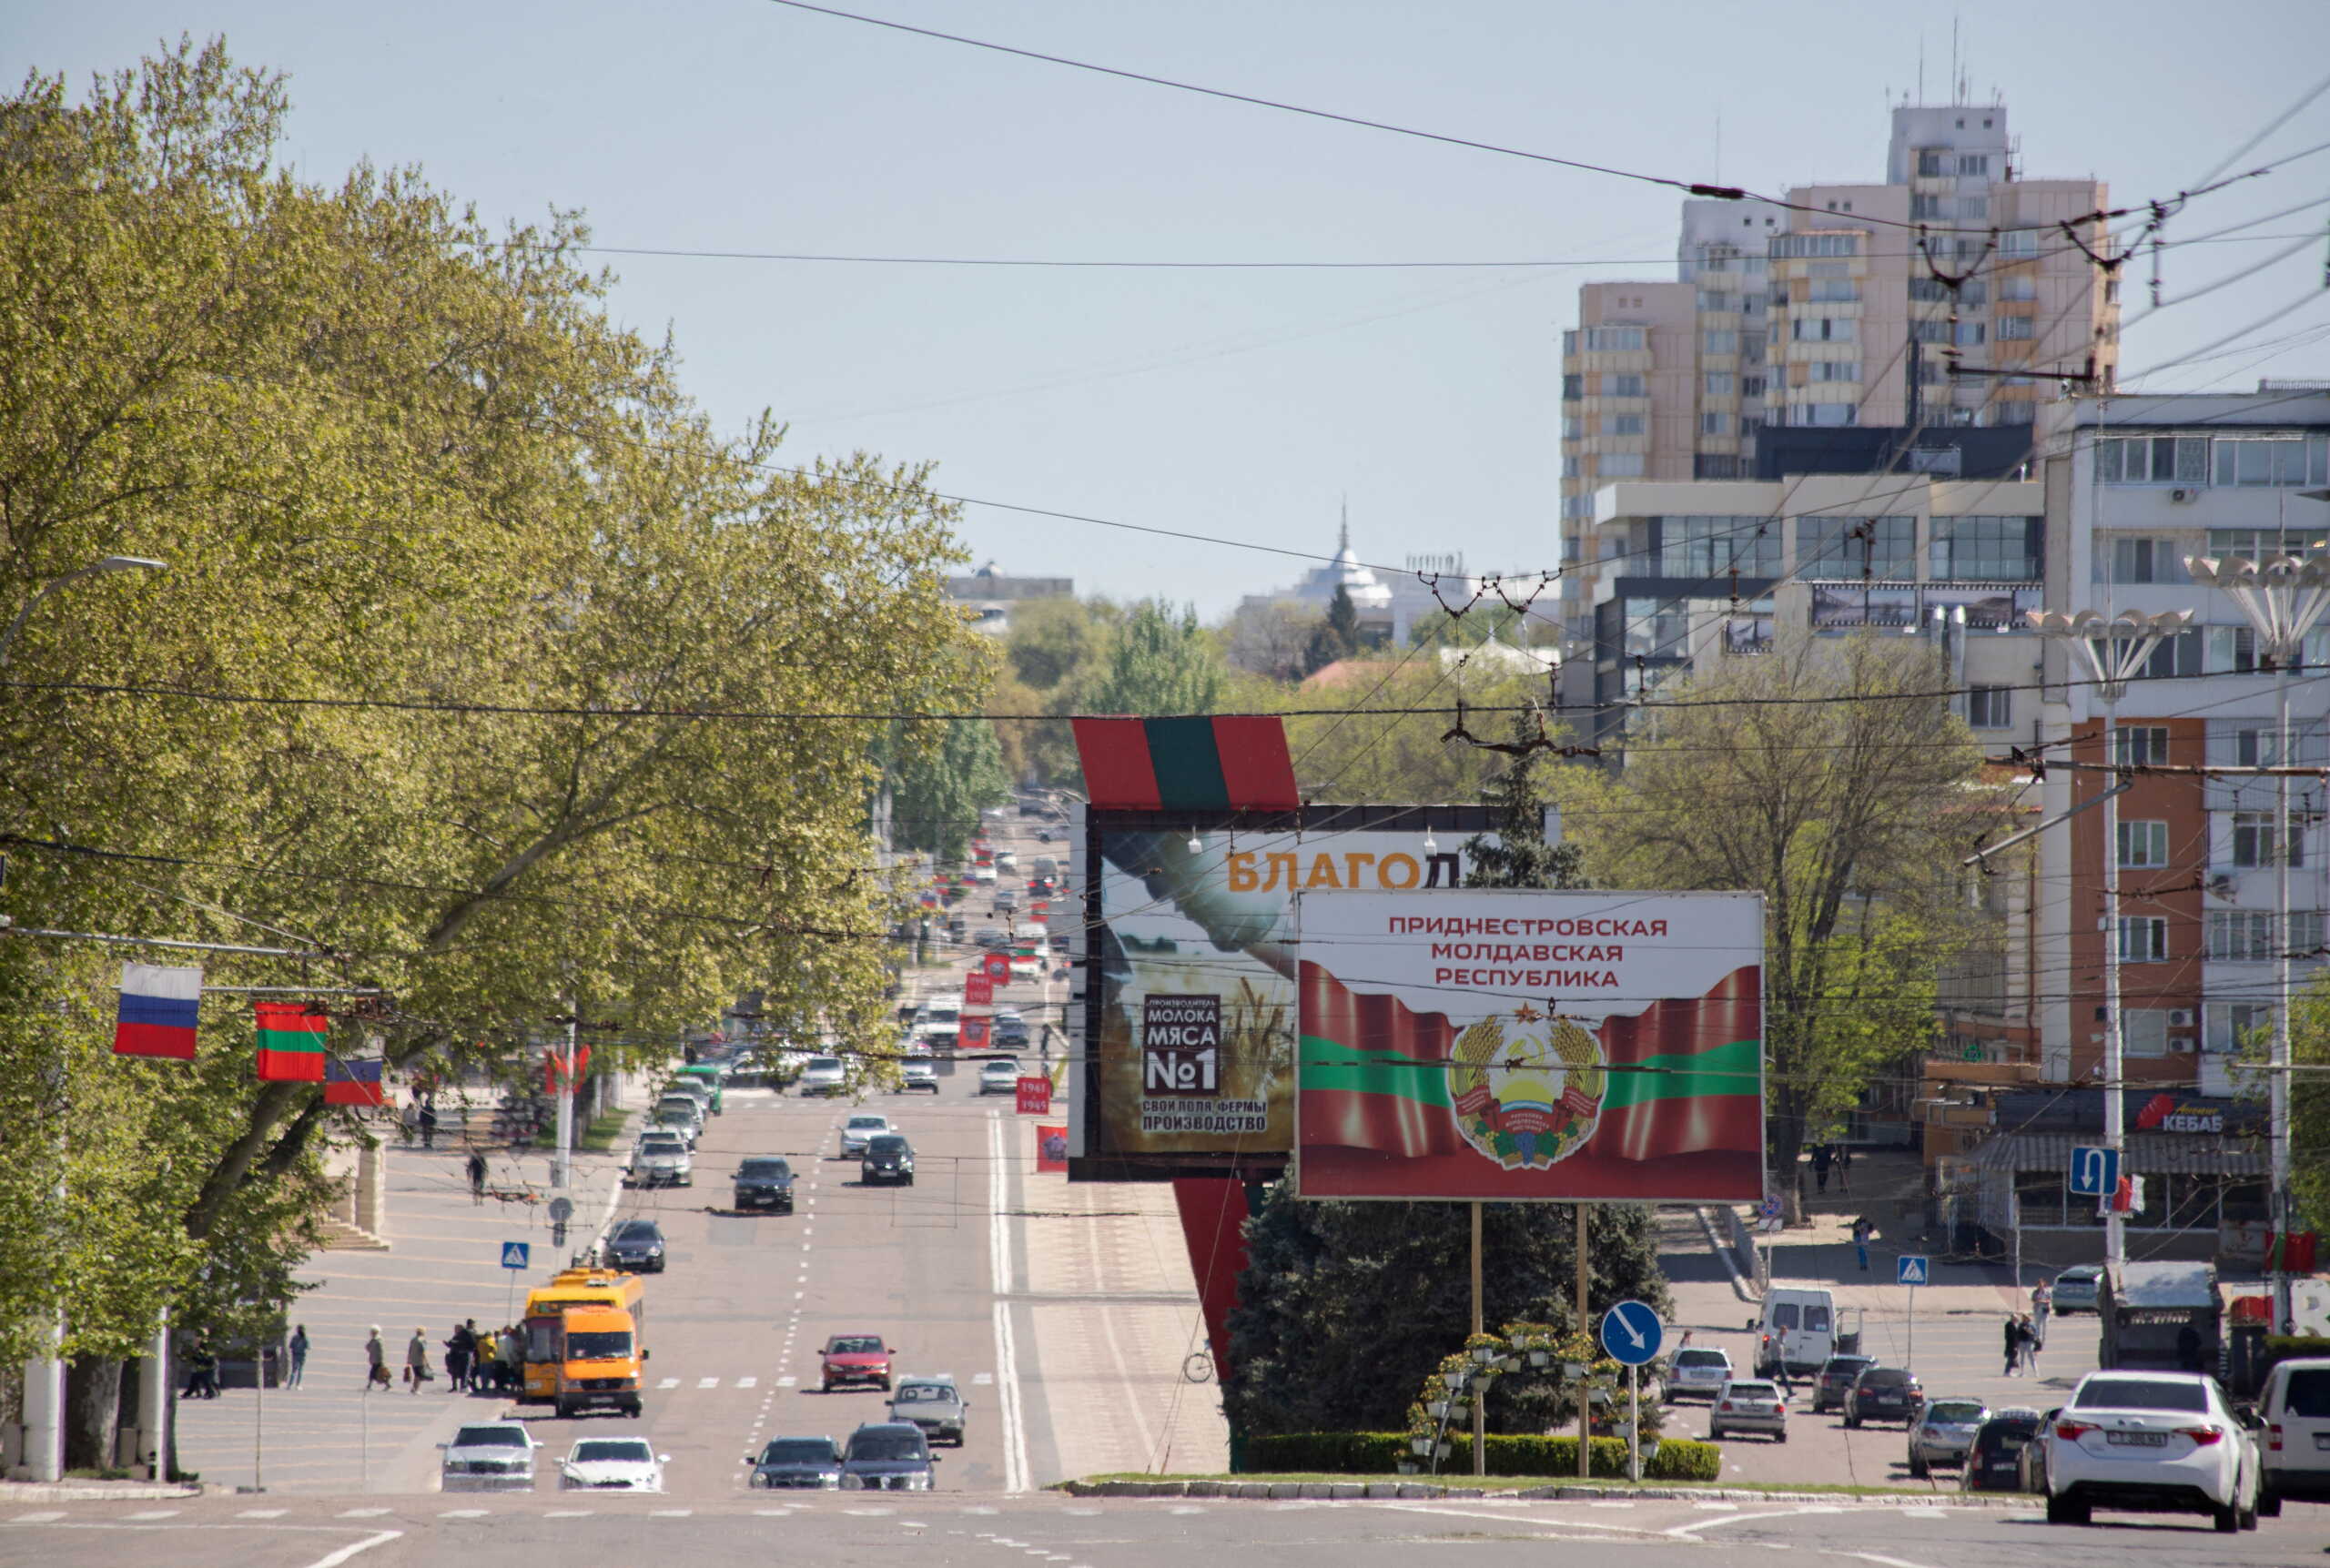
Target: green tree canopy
x=1158 y=661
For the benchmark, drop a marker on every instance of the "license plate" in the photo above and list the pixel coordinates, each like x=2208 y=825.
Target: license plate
x=2136 y=1439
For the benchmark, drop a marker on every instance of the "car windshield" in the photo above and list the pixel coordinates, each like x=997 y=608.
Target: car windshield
x=2079 y=1276
x=638 y=1230
x=1751 y=1391
x=666 y=1144
x=1884 y=1377
x=856 y=1345
x=867 y=1123
x=2006 y=1436
x=824 y=1064
x=1001 y=1069
x=887 y=1143
x=887 y=1445
x=597 y=1344
x=764 y=1168
x=628 y=1449
x=923 y=1394
x=798 y=1450
x=1701 y=1359
x=1845 y=1366
x=2140 y=1394
x=2309 y=1393
x=1954 y=1412
x=490 y=1437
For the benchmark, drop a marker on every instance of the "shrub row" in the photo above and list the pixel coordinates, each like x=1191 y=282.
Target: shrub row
x=1380 y=1453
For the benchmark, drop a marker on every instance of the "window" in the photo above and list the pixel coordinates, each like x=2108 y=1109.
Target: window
x=1970 y=333
x=1848 y=548
x=1622 y=386
x=2023 y=242
x=2144 y=1031
x=1932 y=164
x=2177 y=658
x=1715 y=424
x=2293 y=460
x=1612 y=339
x=2229 y=1026
x=1716 y=465
x=1973 y=208
x=1751 y=386
x=1722 y=342
x=1573 y=387
x=1570 y=466
x=2019 y=286
x=1989 y=707
x=1790 y=247
x=2143 y=939
x=1709 y=546
x=2140 y=561
x=1753 y=304
x=1625 y=424
x=1721 y=383
x=1824 y=414
x=2137 y=745
x=1618 y=465
x=1842 y=290
x=1978 y=165
x=2233 y=650
x=1835 y=370
x=1986 y=548
x=2015 y=328
x=2240 y=936
x=2253 y=838
x=1711 y=301
x=2233 y=460
x=1929 y=206
x=2257 y=543
x=1821 y=328
x=2143 y=844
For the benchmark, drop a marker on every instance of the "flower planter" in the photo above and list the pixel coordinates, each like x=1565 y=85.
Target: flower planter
x=1485 y=1353
x=1573 y=1368
x=1420 y=1445
x=1409 y=1467
x=1539 y=1359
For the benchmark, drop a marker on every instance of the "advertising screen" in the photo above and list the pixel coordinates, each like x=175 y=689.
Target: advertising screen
x=1519 y=1045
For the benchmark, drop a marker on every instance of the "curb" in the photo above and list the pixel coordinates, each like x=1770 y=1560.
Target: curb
x=95 y=1491
x=1722 y=1255
x=1410 y=1491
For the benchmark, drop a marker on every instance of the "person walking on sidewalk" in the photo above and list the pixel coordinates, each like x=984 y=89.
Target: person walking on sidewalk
x=298 y=1357
x=457 y=1347
x=376 y=1361
x=477 y=1177
x=2028 y=1337
x=1823 y=1156
x=202 y=1371
x=2042 y=1301
x=1862 y=1231
x=2013 y=1345
x=429 y=1124
x=416 y=1361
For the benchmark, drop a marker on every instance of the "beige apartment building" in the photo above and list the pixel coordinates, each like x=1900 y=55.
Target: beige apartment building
x=1835 y=312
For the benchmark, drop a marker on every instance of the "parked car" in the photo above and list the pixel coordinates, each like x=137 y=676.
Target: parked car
x=2033 y=1467
x=764 y=1181
x=856 y=1359
x=888 y=1158
x=2152 y=1442
x=488 y=1456
x=1698 y=1374
x=1943 y=1433
x=888 y=1456
x=919 y=1075
x=860 y=1129
x=636 y=1247
x=823 y=1076
x=933 y=1403
x=1835 y=1380
x=1884 y=1394
x=1995 y=1461
x=612 y=1465
x=660 y=1159
x=2078 y=1288
x=1749 y=1404
x=796 y=1463
x=999 y=1077
x=2296 y=1408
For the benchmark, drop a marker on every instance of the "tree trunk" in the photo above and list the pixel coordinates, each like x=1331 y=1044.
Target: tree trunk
x=92 y=1412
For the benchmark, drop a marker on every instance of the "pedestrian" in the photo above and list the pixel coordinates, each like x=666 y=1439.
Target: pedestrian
x=513 y=1359
x=457 y=1347
x=1862 y=1230
x=1845 y=1168
x=201 y=1372
x=2188 y=1347
x=416 y=1361
x=2030 y=1342
x=477 y=1177
x=2042 y=1302
x=1823 y=1156
x=429 y=1124
x=376 y=1361
x=298 y=1357
x=2013 y=1344
x=409 y=1120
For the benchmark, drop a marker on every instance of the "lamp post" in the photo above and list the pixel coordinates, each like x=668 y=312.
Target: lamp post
x=2114 y=649
x=2284 y=598
x=107 y=564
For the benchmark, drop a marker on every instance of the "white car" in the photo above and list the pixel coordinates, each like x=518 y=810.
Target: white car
x=919 y=1075
x=2151 y=1443
x=612 y=1464
x=1698 y=1374
x=1000 y=1077
x=823 y=1076
x=859 y=1129
x=2295 y=1405
x=488 y=1456
x=661 y=1158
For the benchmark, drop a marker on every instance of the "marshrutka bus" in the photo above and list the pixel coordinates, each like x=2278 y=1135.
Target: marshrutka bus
x=545 y=1323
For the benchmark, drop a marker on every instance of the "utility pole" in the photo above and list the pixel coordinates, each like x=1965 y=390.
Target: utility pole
x=1480 y=1400
x=1584 y=1403
x=563 y=1160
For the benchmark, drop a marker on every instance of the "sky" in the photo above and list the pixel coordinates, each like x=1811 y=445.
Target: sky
x=1248 y=405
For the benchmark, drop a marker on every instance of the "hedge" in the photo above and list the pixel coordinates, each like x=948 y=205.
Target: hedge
x=1380 y=1453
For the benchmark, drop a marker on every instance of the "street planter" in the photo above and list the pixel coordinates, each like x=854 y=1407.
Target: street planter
x=1540 y=1358
x=1420 y=1445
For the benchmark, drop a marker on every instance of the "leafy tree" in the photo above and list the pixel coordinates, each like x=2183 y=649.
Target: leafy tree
x=1387 y=742
x=1054 y=641
x=1345 y=1307
x=2309 y=1100
x=1158 y=662
x=946 y=772
x=1337 y=635
x=1517 y=854
x=1270 y=639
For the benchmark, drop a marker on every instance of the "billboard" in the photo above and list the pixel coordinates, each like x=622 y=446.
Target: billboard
x=1519 y=1045
x=1188 y=956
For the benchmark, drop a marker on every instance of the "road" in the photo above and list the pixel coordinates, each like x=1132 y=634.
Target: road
x=848 y=1531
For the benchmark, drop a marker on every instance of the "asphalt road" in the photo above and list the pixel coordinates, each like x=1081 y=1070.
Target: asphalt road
x=846 y=1530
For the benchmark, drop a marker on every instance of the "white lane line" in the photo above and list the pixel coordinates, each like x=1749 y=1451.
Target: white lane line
x=1879 y=1558
x=1185 y=1510
x=796 y=1295
x=1006 y=1351
x=378 y=1538
x=463 y=1513
x=363 y=1514
x=1687 y=1530
x=772 y=1513
x=668 y=1383
x=995 y=1511
x=262 y=1514
x=983 y=1378
x=870 y=1512
x=568 y=1513
x=748 y=1383
x=146 y=1513
x=707 y=1383
x=43 y=1517
x=671 y=1512
x=788 y=1381
x=804 y=1246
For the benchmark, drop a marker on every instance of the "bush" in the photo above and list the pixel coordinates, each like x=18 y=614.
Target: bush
x=1380 y=1453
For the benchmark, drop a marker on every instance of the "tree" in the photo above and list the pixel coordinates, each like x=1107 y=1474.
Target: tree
x=1826 y=776
x=945 y=774
x=1345 y=1307
x=1053 y=640
x=1517 y=854
x=2309 y=1100
x=1158 y=662
x=1386 y=744
x=1271 y=639
x=1337 y=634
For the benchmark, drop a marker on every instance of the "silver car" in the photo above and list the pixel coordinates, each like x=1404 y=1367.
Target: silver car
x=1698 y=1374
x=822 y=1076
x=662 y=1159
x=1749 y=1404
x=490 y=1456
x=858 y=1130
x=1944 y=1433
x=933 y=1403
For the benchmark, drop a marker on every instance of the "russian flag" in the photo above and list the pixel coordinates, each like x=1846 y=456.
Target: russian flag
x=159 y=1010
x=356 y=1082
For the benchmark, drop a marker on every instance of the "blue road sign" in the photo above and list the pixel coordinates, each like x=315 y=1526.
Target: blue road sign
x=2095 y=1171
x=1912 y=1269
x=1631 y=1332
x=513 y=1254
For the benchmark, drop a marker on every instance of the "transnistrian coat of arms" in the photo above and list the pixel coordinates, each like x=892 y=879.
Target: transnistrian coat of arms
x=1526 y=1088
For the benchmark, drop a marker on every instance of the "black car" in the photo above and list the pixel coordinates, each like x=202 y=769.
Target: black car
x=636 y=1245
x=793 y=1464
x=764 y=1181
x=1995 y=1461
x=888 y=1456
x=1835 y=1380
x=888 y=1158
x=1885 y=1393
x=1009 y=1029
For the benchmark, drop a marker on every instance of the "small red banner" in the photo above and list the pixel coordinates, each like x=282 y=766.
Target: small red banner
x=1051 y=1146
x=997 y=967
x=973 y=1033
x=979 y=991
x=1035 y=1097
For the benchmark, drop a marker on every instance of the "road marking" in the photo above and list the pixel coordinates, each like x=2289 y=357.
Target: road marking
x=463 y=1513
x=992 y=1511
x=804 y=1246
x=748 y=1383
x=262 y=1514
x=1878 y=1558
x=47 y=1514
x=671 y=1512
x=568 y=1513
x=984 y=1377
x=364 y=1513
x=788 y=1381
x=334 y=1558
x=148 y=1513
x=707 y=1383
x=1687 y=1530
x=1007 y=1352
x=1185 y=1510
x=669 y=1383
x=772 y=1513
x=796 y=1295
x=869 y=1512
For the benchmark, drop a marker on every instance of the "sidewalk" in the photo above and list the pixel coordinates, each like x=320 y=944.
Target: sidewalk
x=443 y=1264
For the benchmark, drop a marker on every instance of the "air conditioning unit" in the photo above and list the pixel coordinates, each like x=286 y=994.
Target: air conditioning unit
x=2180 y=1044
x=2184 y=497
x=2180 y=1017
x=2224 y=885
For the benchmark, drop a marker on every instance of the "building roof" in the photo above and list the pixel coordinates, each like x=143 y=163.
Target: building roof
x=2146 y=1154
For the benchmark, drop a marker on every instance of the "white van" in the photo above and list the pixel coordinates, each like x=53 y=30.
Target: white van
x=1798 y=1330
x=2296 y=1408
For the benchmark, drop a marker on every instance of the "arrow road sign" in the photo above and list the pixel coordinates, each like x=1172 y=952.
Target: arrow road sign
x=513 y=1254
x=1912 y=1269
x=2095 y=1171
x=1631 y=1332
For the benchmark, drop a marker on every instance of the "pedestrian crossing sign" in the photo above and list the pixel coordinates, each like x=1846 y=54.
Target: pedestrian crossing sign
x=513 y=1254
x=1909 y=1269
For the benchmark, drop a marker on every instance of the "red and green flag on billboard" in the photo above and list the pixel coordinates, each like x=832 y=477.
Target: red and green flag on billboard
x=291 y=1042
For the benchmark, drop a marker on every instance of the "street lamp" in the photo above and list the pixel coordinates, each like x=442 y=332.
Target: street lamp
x=2114 y=648
x=2284 y=598
x=108 y=564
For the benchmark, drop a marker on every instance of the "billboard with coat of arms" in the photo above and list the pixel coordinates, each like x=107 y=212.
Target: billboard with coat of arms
x=1527 y=1044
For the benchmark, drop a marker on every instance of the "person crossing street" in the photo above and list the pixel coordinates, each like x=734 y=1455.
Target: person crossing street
x=298 y=1348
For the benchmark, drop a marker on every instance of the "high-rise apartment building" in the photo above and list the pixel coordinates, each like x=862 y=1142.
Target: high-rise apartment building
x=1835 y=311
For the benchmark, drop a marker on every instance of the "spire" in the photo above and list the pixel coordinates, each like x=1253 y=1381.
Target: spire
x=1343 y=536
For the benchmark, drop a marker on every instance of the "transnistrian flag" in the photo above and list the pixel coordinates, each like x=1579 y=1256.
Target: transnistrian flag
x=158 y=1009
x=290 y=1043
x=354 y=1082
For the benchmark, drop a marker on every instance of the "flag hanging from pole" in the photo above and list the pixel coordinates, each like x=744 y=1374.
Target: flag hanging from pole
x=290 y=1043
x=158 y=1009
x=354 y=1082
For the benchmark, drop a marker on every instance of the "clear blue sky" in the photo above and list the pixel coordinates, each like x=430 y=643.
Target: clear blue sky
x=1242 y=404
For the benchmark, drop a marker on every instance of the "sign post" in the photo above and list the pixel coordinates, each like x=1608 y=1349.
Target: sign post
x=1912 y=1269
x=1632 y=1333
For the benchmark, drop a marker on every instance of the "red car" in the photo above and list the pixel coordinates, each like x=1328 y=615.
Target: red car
x=856 y=1358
